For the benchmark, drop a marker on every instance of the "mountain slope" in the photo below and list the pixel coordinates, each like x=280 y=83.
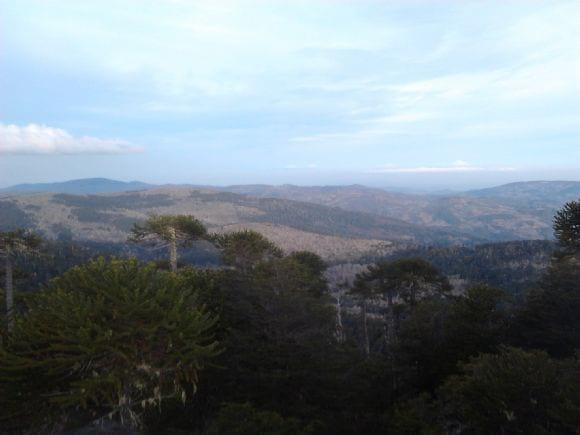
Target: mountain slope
x=512 y=212
x=295 y=225
x=546 y=192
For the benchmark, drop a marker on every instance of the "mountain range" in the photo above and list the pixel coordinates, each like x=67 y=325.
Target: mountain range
x=339 y=222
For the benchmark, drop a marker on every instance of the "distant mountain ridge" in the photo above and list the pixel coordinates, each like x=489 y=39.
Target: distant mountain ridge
x=535 y=191
x=515 y=211
x=81 y=186
x=334 y=233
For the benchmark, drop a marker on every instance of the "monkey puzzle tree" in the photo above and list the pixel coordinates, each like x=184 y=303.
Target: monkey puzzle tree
x=407 y=279
x=567 y=226
x=12 y=244
x=244 y=249
x=169 y=231
x=107 y=339
x=549 y=319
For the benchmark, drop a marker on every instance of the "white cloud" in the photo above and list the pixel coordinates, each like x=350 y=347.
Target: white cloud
x=457 y=166
x=40 y=139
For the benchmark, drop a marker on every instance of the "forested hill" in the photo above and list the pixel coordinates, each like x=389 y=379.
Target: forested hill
x=332 y=232
x=511 y=266
x=517 y=211
x=552 y=193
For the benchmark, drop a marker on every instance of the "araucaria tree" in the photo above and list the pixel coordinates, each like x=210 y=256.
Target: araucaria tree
x=567 y=226
x=13 y=244
x=169 y=231
x=244 y=249
x=407 y=280
x=104 y=340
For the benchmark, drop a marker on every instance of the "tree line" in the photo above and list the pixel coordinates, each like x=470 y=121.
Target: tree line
x=260 y=346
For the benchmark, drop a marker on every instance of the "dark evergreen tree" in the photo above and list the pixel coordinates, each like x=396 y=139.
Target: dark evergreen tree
x=514 y=392
x=245 y=249
x=108 y=339
x=567 y=226
x=550 y=317
x=13 y=244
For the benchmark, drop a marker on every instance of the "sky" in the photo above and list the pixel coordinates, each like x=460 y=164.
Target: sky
x=407 y=94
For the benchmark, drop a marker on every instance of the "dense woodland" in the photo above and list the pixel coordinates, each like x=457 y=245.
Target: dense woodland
x=257 y=344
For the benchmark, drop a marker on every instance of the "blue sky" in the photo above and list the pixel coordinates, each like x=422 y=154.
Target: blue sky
x=425 y=94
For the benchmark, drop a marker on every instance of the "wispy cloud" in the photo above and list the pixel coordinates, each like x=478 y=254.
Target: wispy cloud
x=345 y=84
x=40 y=139
x=457 y=166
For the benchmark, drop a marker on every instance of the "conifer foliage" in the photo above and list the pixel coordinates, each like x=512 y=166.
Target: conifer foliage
x=567 y=226
x=107 y=339
x=12 y=244
x=169 y=231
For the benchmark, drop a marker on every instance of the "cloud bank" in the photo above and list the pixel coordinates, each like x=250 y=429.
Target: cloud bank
x=457 y=166
x=40 y=139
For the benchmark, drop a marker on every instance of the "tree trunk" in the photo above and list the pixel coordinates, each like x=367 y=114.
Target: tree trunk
x=391 y=337
x=9 y=290
x=389 y=325
x=339 y=326
x=367 y=346
x=173 y=250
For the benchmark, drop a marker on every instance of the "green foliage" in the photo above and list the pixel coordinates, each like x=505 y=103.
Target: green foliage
x=512 y=266
x=244 y=249
x=437 y=334
x=514 y=392
x=19 y=241
x=567 y=226
x=105 y=339
x=478 y=321
x=415 y=416
x=289 y=275
x=313 y=261
x=116 y=338
x=410 y=279
x=183 y=229
x=245 y=419
x=549 y=319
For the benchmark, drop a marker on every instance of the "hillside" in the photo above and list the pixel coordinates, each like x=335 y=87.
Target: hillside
x=552 y=193
x=517 y=211
x=332 y=232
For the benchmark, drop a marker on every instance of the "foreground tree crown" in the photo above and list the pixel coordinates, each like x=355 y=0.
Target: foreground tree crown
x=104 y=339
